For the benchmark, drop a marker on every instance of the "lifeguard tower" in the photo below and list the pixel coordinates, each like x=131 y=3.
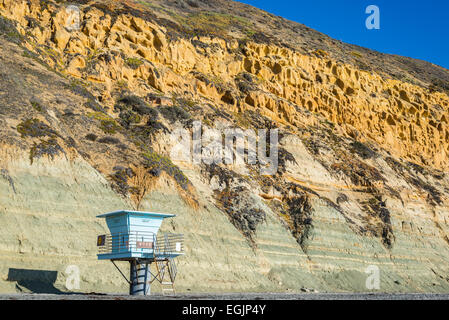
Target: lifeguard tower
x=134 y=237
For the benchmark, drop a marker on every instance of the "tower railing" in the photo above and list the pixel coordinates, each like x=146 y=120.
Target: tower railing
x=161 y=244
x=168 y=243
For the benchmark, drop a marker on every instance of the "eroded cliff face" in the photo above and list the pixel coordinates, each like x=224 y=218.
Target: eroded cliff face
x=87 y=116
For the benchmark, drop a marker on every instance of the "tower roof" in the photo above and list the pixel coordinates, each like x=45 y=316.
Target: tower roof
x=140 y=213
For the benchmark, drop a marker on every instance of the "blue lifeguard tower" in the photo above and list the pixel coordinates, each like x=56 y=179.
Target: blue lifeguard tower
x=134 y=237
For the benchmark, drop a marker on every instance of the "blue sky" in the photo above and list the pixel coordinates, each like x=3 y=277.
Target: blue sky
x=417 y=29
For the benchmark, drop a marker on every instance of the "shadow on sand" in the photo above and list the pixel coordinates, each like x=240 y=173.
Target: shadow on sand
x=37 y=281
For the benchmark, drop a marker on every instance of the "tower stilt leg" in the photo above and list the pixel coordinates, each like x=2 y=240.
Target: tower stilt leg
x=140 y=277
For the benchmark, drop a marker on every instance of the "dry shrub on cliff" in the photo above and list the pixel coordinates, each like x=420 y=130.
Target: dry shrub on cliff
x=142 y=182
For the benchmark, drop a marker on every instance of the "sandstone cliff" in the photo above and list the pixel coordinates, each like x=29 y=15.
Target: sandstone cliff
x=86 y=117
